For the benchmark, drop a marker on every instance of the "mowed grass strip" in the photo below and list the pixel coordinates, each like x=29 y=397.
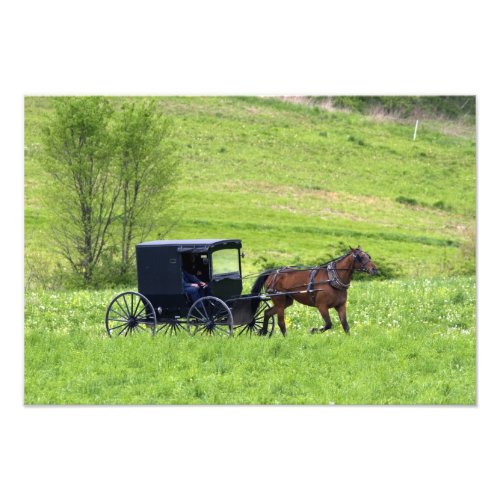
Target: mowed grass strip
x=411 y=342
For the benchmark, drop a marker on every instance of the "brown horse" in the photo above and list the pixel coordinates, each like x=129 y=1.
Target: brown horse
x=323 y=287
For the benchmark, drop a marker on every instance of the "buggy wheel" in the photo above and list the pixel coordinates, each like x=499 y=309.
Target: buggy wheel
x=209 y=316
x=255 y=326
x=169 y=327
x=130 y=313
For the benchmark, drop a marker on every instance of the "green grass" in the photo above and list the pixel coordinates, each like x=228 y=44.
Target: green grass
x=411 y=342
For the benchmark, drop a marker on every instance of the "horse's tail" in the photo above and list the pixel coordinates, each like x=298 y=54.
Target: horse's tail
x=257 y=287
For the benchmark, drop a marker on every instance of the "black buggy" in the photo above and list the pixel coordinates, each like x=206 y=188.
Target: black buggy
x=161 y=304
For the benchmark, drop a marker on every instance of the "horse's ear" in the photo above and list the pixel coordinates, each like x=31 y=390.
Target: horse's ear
x=359 y=247
x=352 y=249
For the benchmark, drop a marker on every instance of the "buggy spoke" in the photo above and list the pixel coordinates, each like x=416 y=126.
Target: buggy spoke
x=126 y=306
x=118 y=320
x=125 y=302
x=206 y=314
x=224 y=328
x=172 y=327
x=137 y=308
x=117 y=326
x=162 y=328
x=218 y=328
x=124 y=329
x=127 y=315
x=118 y=314
x=245 y=329
x=198 y=328
x=200 y=317
x=138 y=315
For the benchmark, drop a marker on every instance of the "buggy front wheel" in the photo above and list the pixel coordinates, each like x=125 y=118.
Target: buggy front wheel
x=210 y=316
x=130 y=313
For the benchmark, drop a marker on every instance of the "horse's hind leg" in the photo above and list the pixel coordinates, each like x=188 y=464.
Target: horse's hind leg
x=281 y=320
x=280 y=303
x=323 y=310
x=267 y=314
x=343 y=317
x=279 y=306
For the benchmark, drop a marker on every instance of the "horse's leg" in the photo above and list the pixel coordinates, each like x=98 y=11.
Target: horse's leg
x=281 y=319
x=282 y=325
x=323 y=310
x=343 y=317
x=280 y=303
x=267 y=314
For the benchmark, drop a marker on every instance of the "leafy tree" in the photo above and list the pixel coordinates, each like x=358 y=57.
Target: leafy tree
x=147 y=166
x=78 y=154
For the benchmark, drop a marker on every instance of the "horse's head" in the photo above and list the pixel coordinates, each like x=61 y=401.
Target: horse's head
x=363 y=262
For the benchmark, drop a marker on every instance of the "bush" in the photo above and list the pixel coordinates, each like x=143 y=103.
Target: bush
x=407 y=201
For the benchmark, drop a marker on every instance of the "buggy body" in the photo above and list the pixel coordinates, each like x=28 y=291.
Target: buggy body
x=162 y=304
x=160 y=265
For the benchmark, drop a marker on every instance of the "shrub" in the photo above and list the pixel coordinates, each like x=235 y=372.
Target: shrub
x=407 y=201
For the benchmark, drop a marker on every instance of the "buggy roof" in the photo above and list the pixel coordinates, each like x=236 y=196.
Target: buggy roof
x=186 y=245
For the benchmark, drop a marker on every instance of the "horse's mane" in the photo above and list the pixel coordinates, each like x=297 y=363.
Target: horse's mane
x=337 y=259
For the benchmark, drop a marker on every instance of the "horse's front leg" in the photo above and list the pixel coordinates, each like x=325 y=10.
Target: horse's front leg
x=343 y=317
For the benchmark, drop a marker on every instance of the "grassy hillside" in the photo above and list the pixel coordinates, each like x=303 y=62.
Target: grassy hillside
x=298 y=184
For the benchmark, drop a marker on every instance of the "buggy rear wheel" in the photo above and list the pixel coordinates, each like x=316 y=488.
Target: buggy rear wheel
x=170 y=327
x=209 y=316
x=130 y=313
x=255 y=326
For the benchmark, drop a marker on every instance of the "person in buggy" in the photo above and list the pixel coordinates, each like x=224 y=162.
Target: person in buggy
x=194 y=287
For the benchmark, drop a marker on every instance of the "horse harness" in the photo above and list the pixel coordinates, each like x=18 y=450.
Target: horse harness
x=333 y=279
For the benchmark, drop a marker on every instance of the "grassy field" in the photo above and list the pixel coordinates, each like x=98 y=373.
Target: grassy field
x=297 y=184
x=412 y=342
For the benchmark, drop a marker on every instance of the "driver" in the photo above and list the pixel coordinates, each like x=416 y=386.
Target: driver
x=194 y=287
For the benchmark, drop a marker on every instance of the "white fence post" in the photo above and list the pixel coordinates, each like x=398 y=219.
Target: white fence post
x=415 y=133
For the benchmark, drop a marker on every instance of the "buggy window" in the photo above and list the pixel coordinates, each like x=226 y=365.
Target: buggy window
x=225 y=261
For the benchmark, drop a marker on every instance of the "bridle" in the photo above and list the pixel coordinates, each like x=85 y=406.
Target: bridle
x=357 y=258
x=362 y=269
x=333 y=276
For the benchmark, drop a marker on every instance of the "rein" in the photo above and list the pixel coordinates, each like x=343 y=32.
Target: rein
x=292 y=269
